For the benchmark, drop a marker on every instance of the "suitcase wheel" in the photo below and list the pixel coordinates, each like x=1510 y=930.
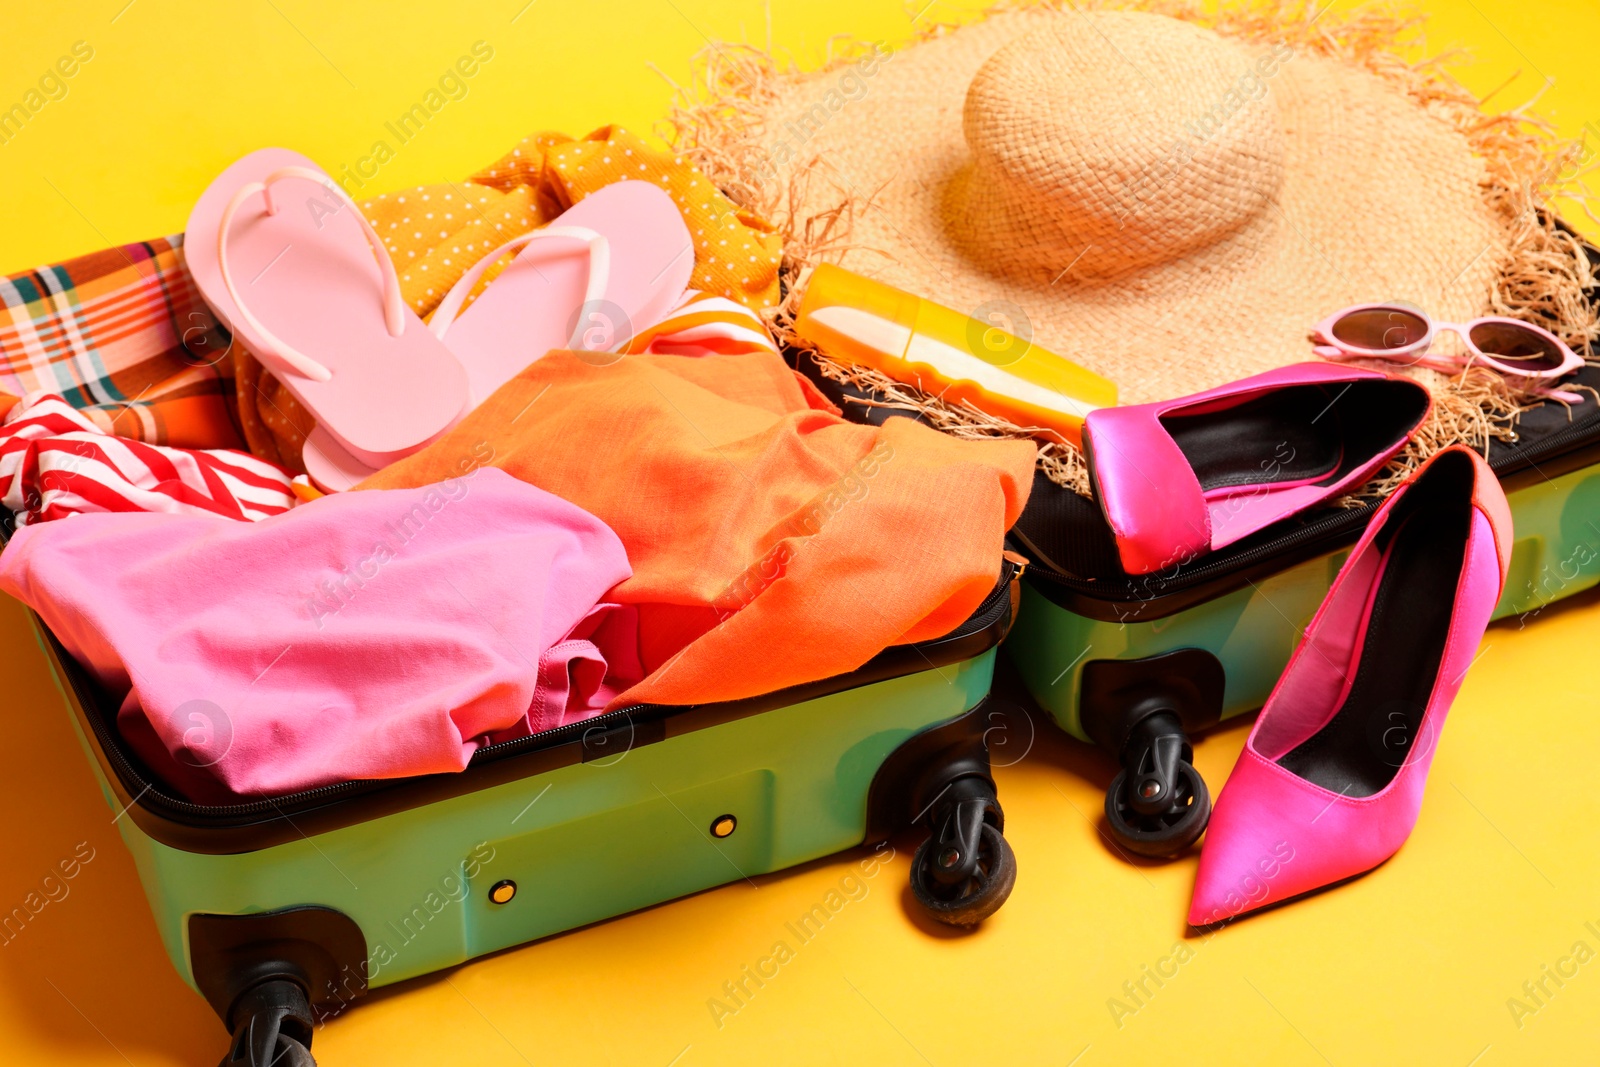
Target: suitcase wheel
x=271 y=1026
x=1142 y=711
x=965 y=870
x=1158 y=804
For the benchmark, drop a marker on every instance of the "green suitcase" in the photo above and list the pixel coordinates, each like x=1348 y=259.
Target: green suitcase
x=282 y=911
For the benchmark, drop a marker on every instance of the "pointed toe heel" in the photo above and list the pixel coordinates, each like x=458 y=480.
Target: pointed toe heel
x=1331 y=778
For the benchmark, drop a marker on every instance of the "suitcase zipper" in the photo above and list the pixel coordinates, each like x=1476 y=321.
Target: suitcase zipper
x=148 y=793
x=1197 y=573
x=1552 y=445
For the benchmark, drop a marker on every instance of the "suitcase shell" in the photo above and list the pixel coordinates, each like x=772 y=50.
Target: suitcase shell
x=1252 y=629
x=362 y=884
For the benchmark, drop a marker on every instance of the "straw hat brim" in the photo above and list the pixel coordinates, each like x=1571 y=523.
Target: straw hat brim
x=1380 y=200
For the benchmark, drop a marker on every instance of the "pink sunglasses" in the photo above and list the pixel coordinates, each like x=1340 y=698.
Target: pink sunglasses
x=1401 y=334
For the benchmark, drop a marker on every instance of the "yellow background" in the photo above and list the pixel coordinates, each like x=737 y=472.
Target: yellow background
x=1412 y=964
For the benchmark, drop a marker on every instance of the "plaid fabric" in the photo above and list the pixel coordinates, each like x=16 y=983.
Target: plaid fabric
x=122 y=336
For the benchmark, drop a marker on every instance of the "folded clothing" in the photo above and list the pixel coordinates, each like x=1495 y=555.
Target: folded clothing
x=55 y=461
x=772 y=542
x=122 y=335
x=362 y=635
x=703 y=324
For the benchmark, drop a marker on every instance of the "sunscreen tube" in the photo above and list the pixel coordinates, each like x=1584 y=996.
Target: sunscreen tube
x=954 y=356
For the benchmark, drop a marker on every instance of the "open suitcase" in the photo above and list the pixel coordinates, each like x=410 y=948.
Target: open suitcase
x=282 y=911
x=1138 y=664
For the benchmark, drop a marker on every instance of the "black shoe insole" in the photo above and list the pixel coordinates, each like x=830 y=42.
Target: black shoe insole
x=1289 y=435
x=1374 y=732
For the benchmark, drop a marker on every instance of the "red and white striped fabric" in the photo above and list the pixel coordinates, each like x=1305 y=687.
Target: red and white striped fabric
x=703 y=325
x=55 y=462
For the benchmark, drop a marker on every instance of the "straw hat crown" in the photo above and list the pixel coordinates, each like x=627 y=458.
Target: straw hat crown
x=1111 y=144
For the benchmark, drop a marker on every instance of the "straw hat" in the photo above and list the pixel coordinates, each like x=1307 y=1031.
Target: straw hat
x=1166 y=206
x=1169 y=205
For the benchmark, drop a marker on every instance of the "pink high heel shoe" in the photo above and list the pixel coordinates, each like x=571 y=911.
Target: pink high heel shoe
x=1330 y=781
x=1180 y=478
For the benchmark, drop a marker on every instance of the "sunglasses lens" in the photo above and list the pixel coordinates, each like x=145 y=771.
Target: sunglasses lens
x=1511 y=342
x=1377 y=329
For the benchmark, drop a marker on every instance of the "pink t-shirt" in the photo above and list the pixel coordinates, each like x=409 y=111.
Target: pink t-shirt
x=362 y=635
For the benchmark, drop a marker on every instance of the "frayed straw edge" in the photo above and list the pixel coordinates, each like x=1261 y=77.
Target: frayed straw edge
x=1474 y=408
x=1543 y=275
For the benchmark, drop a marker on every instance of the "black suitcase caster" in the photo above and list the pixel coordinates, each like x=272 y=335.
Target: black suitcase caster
x=1158 y=804
x=270 y=976
x=1142 y=711
x=965 y=869
x=272 y=1027
x=939 y=779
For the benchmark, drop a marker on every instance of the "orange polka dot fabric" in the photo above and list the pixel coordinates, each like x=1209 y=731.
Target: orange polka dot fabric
x=434 y=233
x=736 y=253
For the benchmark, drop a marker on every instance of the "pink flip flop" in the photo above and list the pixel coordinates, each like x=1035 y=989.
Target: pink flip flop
x=614 y=263
x=640 y=256
x=285 y=259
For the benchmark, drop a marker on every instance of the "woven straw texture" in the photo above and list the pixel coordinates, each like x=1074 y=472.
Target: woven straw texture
x=1167 y=207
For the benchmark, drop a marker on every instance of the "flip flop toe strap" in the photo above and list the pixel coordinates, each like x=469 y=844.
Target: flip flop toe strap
x=278 y=349
x=599 y=250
